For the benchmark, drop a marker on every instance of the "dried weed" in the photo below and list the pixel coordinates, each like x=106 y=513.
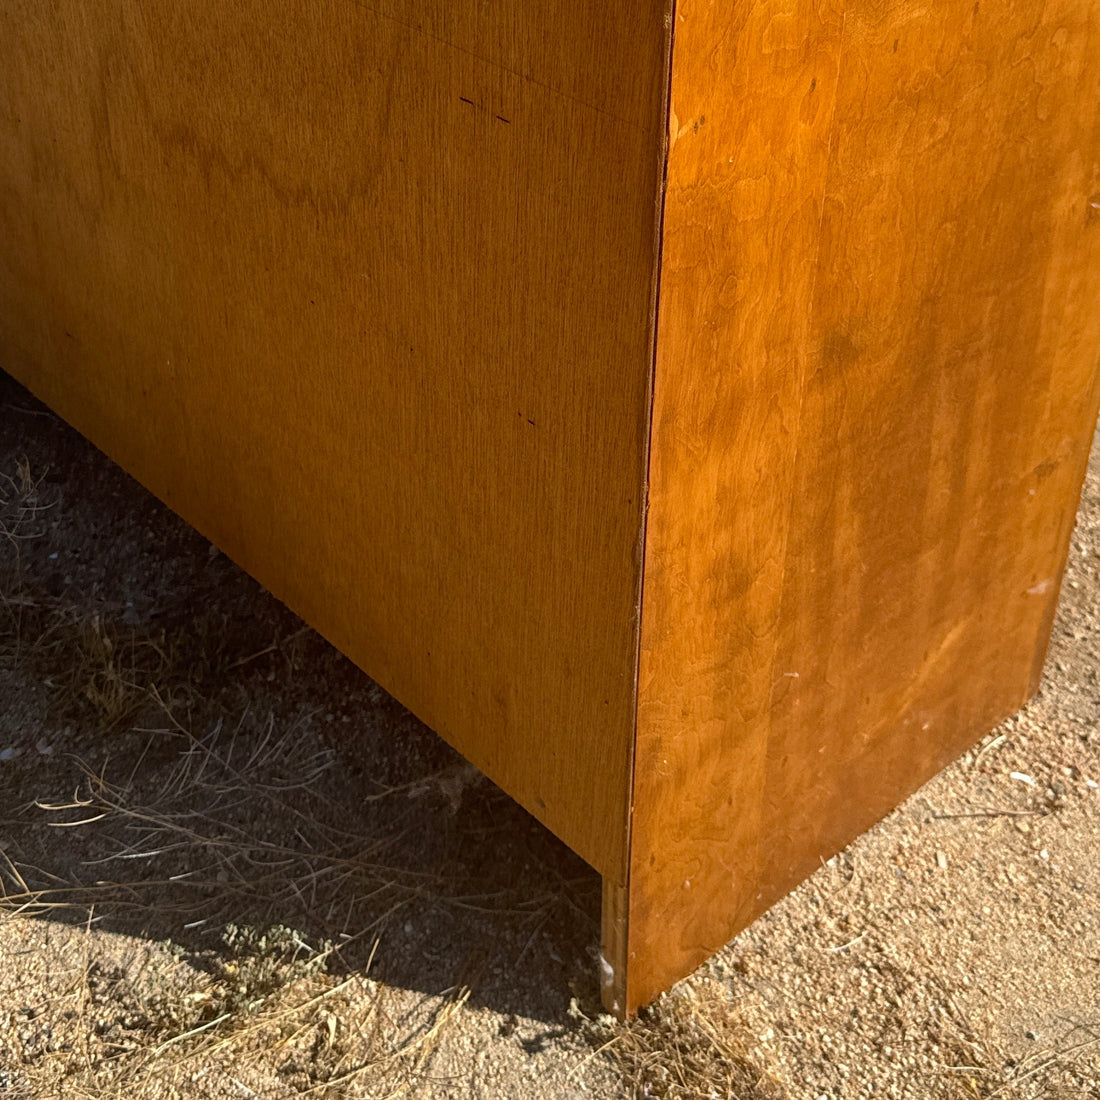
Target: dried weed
x=690 y=1045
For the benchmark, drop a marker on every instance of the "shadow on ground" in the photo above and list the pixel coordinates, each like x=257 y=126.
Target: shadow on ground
x=181 y=755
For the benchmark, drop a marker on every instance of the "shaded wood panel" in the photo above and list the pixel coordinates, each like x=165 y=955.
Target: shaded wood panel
x=854 y=552
x=371 y=309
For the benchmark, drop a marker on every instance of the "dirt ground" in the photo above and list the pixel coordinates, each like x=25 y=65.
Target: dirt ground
x=233 y=867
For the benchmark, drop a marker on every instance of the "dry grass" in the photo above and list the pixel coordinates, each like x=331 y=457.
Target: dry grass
x=689 y=1046
x=85 y=658
x=1053 y=1072
x=22 y=518
x=197 y=831
x=693 y=1044
x=21 y=508
x=265 y=1001
x=198 y=843
x=267 y=1020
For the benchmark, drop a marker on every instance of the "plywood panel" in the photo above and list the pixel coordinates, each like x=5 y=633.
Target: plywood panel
x=364 y=292
x=876 y=381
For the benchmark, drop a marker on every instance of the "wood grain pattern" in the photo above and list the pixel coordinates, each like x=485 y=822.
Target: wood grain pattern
x=364 y=292
x=752 y=103
x=871 y=424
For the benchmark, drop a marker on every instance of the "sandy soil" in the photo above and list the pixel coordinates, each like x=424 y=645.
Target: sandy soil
x=234 y=867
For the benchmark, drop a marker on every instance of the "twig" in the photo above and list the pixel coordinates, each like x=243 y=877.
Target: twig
x=266 y=650
x=850 y=943
x=997 y=741
x=992 y=812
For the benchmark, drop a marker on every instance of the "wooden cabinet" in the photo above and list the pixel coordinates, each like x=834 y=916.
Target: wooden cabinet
x=682 y=410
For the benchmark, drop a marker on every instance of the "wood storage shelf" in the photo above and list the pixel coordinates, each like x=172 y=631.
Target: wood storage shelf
x=683 y=410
